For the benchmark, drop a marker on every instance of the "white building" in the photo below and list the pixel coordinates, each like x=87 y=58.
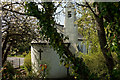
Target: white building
x=41 y=53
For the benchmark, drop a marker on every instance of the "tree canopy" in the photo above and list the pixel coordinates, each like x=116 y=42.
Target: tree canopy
x=99 y=24
x=17 y=32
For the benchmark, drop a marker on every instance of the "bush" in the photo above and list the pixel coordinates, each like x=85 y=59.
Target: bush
x=24 y=54
x=27 y=62
x=8 y=72
x=97 y=64
x=116 y=74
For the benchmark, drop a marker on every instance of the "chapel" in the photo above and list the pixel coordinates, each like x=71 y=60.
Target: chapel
x=42 y=53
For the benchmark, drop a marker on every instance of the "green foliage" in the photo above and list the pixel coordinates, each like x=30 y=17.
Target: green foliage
x=27 y=62
x=8 y=72
x=111 y=24
x=24 y=54
x=46 y=23
x=31 y=76
x=116 y=70
x=87 y=22
x=116 y=74
x=87 y=28
x=17 y=30
x=111 y=17
x=15 y=56
x=96 y=63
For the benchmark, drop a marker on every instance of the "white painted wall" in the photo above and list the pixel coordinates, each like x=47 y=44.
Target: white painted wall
x=50 y=57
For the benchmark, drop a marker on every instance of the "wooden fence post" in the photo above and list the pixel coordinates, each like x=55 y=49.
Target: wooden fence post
x=19 y=62
x=12 y=62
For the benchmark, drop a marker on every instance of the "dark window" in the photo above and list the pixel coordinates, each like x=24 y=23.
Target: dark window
x=80 y=47
x=69 y=14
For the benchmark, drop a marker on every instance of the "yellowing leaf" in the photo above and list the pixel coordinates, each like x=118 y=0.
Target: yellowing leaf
x=67 y=65
x=59 y=43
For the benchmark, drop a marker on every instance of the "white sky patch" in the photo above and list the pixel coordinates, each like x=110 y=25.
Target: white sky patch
x=39 y=6
x=60 y=13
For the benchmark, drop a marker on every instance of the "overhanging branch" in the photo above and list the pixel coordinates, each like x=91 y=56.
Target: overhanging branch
x=14 y=11
x=87 y=6
x=91 y=9
x=81 y=5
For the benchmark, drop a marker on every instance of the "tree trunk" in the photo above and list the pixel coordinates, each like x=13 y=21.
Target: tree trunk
x=0 y=42
x=5 y=54
x=103 y=43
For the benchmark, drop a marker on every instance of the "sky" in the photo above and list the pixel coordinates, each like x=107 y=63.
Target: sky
x=60 y=18
x=59 y=15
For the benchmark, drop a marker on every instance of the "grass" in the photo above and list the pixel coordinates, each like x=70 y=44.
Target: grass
x=16 y=56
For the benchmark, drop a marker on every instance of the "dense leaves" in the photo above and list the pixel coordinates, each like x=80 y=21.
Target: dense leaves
x=17 y=32
x=100 y=29
x=8 y=71
x=27 y=63
x=108 y=17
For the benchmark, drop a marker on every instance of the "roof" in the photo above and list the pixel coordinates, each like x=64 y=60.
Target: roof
x=39 y=41
x=60 y=29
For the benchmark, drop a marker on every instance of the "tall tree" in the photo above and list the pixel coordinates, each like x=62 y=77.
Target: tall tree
x=46 y=25
x=16 y=29
x=107 y=18
x=107 y=14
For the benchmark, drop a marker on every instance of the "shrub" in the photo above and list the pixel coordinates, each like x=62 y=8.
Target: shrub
x=97 y=64
x=24 y=54
x=116 y=74
x=27 y=62
x=8 y=72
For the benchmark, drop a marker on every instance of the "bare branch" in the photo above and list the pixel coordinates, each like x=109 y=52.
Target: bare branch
x=91 y=9
x=10 y=4
x=87 y=6
x=14 y=11
x=81 y=5
x=58 y=12
x=58 y=5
